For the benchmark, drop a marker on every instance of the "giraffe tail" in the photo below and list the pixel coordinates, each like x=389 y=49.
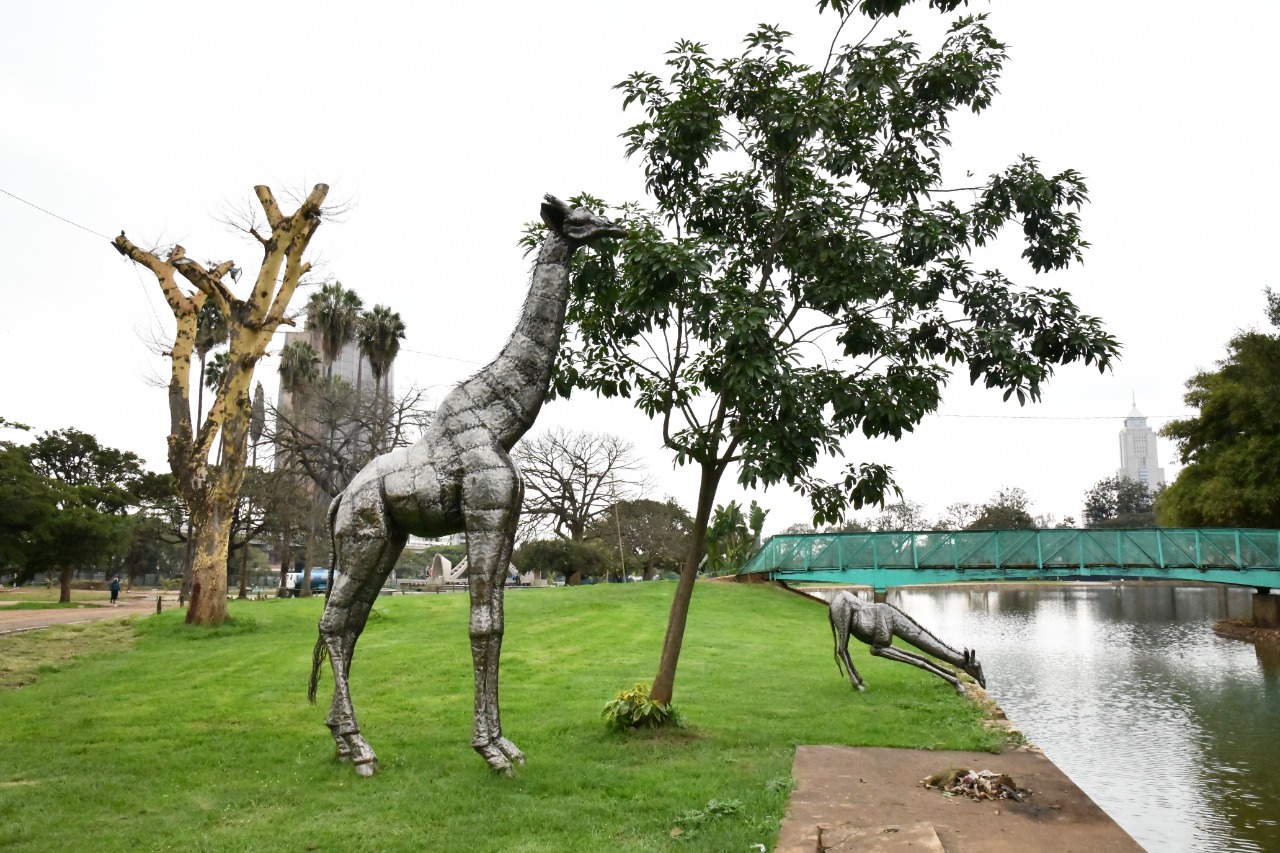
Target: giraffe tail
x=318 y=655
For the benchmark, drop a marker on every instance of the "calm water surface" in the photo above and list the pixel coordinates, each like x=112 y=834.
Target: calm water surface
x=1174 y=731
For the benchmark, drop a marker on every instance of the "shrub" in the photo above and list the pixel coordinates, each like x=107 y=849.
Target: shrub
x=633 y=709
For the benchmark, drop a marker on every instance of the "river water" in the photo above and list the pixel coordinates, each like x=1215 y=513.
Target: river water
x=1174 y=731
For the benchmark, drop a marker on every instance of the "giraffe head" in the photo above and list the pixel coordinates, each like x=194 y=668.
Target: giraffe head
x=577 y=225
x=973 y=667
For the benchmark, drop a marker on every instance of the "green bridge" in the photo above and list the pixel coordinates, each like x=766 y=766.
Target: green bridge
x=882 y=560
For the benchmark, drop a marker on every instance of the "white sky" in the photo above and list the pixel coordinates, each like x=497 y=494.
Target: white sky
x=445 y=123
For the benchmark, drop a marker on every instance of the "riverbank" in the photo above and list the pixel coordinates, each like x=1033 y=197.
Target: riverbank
x=1244 y=629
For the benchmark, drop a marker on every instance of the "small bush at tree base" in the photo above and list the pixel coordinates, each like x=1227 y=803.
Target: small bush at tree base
x=633 y=709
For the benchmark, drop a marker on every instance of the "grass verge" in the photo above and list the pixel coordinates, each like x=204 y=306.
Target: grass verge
x=202 y=740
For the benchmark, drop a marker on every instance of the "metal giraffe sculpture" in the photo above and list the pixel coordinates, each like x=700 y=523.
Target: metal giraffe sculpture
x=458 y=477
x=877 y=625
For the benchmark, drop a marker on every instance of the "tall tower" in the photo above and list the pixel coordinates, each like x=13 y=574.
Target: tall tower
x=1138 y=457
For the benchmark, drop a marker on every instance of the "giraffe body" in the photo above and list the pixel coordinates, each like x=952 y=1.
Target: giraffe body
x=877 y=625
x=458 y=477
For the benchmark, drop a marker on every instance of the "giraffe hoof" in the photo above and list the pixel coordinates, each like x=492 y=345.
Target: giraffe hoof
x=495 y=758
x=510 y=750
x=366 y=768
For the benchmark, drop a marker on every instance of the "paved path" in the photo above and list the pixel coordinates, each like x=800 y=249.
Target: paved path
x=131 y=604
x=870 y=799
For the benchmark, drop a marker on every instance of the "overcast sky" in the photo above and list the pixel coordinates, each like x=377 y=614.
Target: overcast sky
x=443 y=125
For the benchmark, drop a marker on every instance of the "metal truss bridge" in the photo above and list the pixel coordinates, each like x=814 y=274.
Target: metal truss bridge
x=882 y=560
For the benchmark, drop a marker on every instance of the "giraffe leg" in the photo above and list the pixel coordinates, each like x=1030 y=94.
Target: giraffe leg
x=491 y=497
x=920 y=661
x=367 y=561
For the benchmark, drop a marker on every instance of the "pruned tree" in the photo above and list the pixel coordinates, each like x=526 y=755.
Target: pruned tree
x=804 y=273
x=1231 y=446
x=572 y=478
x=210 y=490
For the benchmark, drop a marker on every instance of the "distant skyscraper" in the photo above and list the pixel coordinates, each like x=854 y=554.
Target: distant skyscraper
x=1138 y=457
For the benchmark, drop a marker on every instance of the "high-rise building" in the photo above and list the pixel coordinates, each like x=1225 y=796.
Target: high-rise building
x=1138 y=456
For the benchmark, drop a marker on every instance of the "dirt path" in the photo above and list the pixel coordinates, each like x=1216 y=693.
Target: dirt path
x=131 y=604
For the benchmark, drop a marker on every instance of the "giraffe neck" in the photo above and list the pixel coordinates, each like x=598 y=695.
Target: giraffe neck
x=507 y=393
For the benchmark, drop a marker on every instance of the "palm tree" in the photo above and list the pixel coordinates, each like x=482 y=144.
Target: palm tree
x=211 y=331
x=334 y=312
x=299 y=370
x=299 y=367
x=381 y=331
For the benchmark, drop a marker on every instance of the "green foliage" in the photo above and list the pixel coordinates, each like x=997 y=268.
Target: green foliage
x=688 y=822
x=655 y=535
x=731 y=538
x=333 y=311
x=792 y=201
x=1231 y=448
x=563 y=557
x=634 y=709
x=1007 y=510
x=1118 y=502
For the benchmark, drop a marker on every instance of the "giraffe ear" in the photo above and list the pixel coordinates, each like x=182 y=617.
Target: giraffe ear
x=554 y=212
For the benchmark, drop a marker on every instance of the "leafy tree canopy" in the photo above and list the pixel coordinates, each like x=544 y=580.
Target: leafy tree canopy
x=1119 y=502
x=1007 y=510
x=654 y=534
x=1231 y=448
x=804 y=273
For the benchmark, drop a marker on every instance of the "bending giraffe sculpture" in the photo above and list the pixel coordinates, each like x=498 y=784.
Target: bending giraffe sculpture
x=457 y=478
x=877 y=625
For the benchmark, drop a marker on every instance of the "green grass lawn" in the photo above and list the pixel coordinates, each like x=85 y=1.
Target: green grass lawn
x=202 y=740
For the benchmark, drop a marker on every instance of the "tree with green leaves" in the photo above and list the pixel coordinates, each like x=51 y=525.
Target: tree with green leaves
x=571 y=559
x=1231 y=447
x=1119 y=502
x=94 y=487
x=1007 y=510
x=379 y=334
x=733 y=537
x=804 y=273
x=334 y=312
x=653 y=535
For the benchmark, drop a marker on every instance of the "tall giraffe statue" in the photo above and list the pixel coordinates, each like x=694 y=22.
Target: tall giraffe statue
x=458 y=477
x=877 y=625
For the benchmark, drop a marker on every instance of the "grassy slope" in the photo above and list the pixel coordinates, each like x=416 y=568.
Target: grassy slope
x=200 y=740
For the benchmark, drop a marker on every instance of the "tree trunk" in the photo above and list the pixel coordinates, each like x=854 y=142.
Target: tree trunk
x=64 y=585
x=212 y=515
x=664 y=683
x=286 y=560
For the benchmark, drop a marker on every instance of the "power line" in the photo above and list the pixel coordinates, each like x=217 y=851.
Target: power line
x=437 y=355
x=54 y=215
x=1058 y=417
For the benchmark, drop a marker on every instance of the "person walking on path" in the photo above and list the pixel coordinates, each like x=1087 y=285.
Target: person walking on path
x=115 y=591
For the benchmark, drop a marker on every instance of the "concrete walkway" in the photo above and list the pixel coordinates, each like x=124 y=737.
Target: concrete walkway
x=871 y=799
x=131 y=604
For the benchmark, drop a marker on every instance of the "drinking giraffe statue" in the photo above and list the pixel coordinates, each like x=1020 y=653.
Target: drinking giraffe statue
x=877 y=625
x=457 y=478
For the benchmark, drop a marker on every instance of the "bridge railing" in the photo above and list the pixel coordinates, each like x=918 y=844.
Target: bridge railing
x=1154 y=548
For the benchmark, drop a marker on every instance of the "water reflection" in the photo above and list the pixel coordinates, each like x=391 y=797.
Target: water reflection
x=1168 y=727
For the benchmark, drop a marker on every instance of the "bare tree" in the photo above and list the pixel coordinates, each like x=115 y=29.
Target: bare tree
x=338 y=431
x=210 y=490
x=572 y=478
